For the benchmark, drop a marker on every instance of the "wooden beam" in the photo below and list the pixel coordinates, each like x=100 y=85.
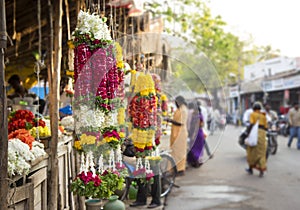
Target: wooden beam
x=3 y=113
x=54 y=97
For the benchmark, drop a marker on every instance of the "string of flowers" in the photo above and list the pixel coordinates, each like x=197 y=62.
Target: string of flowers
x=142 y=113
x=98 y=76
x=143 y=173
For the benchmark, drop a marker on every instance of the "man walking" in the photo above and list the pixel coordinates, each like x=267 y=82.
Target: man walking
x=294 y=121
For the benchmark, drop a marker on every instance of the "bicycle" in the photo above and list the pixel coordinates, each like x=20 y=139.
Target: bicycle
x=168 y=172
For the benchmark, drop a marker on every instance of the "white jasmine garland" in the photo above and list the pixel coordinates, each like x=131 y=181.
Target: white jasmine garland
x=88 y=118
x=111 y=119
x=92 y=24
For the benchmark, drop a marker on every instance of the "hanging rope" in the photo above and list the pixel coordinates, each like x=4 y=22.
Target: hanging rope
x=38 y=62
x=14 y=21
x=111 y=22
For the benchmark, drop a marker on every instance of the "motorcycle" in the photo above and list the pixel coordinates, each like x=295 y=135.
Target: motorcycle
x=272 y=135
x=283 y=125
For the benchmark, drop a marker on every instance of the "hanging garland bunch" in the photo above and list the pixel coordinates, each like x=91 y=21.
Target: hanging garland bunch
x=142 y=112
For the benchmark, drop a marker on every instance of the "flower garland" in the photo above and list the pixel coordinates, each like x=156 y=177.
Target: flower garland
x=97 y=112
x=113 y=136
x=144 y=173
x=142 y=113
x=164 y=105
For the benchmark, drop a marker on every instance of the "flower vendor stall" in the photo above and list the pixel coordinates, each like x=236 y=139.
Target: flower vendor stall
x=27 y=159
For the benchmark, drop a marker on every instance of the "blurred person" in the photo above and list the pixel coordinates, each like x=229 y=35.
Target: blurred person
x=236 y=116
x=19 y=90
x=179 y=134
x=294 y=122
x=204 y=113
x=256 y=155
x=197 y=139
x=270 y=114
x=246 y=115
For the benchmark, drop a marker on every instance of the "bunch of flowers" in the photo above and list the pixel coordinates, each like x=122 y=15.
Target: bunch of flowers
x=41 y=131
x=96 y=185
x=113 y=136
x=143 y=114
x=87 y=141
x=23 y=135
x=88 y=184
x=23 y=119
x=20 y=155
x=145 y=174
x=91 y=29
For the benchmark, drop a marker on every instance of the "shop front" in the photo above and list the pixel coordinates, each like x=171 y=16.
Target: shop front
x=283 y=91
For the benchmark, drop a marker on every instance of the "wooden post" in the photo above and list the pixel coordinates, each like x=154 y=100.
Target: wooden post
x=3 y=113
x=54 y=97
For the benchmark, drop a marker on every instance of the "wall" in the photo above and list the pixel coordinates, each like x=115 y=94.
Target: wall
x=270 y=67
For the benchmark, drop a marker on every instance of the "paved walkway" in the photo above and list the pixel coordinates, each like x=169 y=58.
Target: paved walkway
x=127 y=202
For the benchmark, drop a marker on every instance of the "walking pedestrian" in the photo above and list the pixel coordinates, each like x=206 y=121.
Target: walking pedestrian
x=294 y=121
x=256 y=155
x=179 y=134
x=197 y=139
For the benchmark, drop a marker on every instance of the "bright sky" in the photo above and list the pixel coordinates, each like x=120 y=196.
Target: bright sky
x=270 y=22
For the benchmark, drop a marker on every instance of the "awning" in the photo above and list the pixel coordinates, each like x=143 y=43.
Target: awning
x=251 y=86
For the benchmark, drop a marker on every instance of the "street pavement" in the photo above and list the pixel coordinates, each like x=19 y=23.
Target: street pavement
x=221 y=183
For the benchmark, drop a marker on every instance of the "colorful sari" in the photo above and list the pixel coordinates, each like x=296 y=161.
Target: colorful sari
x=179 y=135
x=197 y=140
x=256 y=155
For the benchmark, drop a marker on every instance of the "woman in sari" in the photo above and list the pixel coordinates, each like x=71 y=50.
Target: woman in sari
x=179 y=134
x=256 y=155
x=197 y=139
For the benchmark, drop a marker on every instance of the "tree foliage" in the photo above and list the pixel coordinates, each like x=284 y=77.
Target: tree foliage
x=192 y=21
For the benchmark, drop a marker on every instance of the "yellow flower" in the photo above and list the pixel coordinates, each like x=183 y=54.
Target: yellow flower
x=77 y=145
x=122 y=135
x=110 y=139
x=85 y=139
x=119 y=53
x=153 y=157
x=120 y=64
x=144 y=92
x=163 y=97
